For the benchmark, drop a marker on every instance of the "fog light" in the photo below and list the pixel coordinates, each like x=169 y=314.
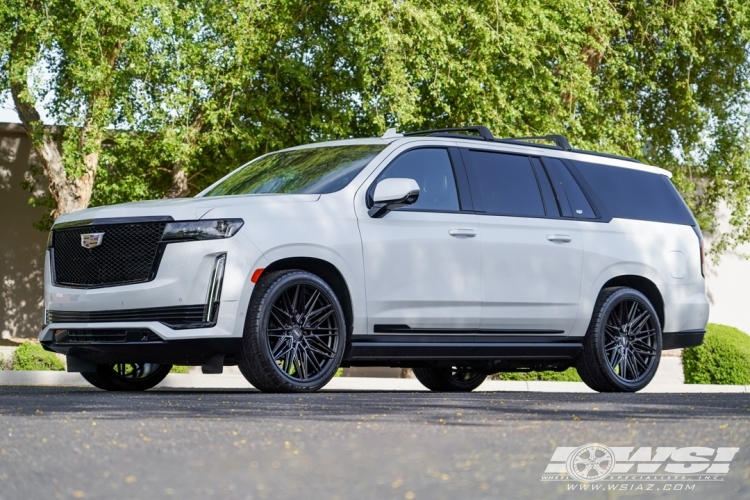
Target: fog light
x=61 y=336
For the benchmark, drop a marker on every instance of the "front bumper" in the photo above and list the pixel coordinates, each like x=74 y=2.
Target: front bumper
x=176 y=305
x=190 y=352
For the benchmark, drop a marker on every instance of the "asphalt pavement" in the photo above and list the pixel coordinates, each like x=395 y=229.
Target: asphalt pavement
x=70 y=442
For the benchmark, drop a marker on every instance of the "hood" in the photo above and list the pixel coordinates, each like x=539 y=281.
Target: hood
x=182 y=208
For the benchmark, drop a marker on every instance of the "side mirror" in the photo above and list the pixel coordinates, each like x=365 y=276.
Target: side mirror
x=391 y=194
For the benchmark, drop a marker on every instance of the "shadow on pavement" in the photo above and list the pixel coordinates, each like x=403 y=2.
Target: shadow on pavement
x=485 y=408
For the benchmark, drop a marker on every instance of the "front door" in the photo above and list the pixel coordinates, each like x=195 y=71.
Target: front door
x=423 y=262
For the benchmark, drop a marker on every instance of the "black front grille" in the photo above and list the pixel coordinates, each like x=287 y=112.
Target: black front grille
x=127 y=254
x=114 y=335
x=170 y=316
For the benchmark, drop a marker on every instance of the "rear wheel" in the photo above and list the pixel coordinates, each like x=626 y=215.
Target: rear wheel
x=449 y=378
x=622 y=348
x=294 y=335
x=127 y=376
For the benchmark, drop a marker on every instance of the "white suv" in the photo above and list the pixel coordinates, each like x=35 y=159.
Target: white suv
x=457 y=255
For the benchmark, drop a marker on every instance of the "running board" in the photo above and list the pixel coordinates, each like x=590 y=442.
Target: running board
x=461 y=351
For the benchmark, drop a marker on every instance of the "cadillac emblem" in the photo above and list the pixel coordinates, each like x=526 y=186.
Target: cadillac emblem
x=91 y=240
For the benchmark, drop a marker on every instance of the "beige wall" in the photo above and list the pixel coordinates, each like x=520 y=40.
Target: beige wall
x=21 y=246
x=728 y=283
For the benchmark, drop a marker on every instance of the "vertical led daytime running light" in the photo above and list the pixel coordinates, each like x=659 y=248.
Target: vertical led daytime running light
x=214 y=290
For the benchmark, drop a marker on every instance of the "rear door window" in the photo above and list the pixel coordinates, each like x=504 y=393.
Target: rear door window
x=508 y=184
x=635 y=194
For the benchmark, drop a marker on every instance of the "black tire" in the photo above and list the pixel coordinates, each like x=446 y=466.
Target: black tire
x=295 y=333
x=127 y=376
x=449 y=379
x=622 y=348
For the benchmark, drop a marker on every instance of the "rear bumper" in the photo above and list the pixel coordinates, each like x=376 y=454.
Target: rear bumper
x=680 y=340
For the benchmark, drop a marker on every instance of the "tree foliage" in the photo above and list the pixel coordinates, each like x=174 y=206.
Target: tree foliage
x=176 y=93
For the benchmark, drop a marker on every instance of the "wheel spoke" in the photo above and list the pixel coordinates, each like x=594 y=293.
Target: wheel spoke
x=274 y=314
x=641 y=346
x=314 y=315
x=288 y=306
x=313 y=360
x=614 y=360
x=300 y=364
x=319 y=321
x=640 y=320
x=311 y=303
x=320 y=347
x=278 y=350
x=631 y=312
x=641 y=363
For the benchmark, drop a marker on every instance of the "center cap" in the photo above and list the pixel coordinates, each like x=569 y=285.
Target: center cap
x=297 y=332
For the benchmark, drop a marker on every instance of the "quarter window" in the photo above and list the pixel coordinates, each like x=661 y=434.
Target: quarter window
x=508 y=184
x=431 y=168
x=577 y=204
x=634 y=194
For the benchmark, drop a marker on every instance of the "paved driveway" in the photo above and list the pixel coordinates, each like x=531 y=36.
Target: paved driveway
x=83 y=443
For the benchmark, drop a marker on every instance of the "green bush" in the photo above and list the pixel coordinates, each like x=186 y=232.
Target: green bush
x=30 y=357
x=569 y=375
x=179 y=369
x=723 y=358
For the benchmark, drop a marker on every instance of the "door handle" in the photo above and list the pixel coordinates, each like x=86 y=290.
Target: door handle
x=559 y=238
x=462 y=233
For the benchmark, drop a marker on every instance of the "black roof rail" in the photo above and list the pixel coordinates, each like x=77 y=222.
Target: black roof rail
x=559 y=140
x=483 y=131
x=606 y=155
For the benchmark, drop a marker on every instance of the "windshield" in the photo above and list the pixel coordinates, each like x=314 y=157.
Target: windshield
x=303 y=171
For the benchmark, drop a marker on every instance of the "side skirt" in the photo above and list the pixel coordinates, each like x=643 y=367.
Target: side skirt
x=512 y=353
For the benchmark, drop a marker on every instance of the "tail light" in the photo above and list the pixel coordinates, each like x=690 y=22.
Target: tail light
x=703 y=258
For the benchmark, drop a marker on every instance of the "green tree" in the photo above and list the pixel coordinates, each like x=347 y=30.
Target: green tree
x=195 y=88
x=78 y=46
x=665 y=82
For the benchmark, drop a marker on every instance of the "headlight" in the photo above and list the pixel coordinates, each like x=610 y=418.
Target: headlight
x=202 y=229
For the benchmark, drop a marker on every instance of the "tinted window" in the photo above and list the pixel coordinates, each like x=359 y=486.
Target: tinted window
x=634 y=194
x=310 y=170
x=564 y=182
x=508 y=184
x=432 y=170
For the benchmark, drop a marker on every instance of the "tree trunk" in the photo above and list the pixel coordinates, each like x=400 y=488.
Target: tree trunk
x=179 y=187
x=70 y=194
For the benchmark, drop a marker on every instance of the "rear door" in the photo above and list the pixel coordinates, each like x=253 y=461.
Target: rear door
x=531 y=253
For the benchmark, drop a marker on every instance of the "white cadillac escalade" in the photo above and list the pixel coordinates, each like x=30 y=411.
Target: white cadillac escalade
x=456 y=255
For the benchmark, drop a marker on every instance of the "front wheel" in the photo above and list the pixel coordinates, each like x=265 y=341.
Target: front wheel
x=294 y=333
x=449 y=379
x=127 y=376
x=622 y=348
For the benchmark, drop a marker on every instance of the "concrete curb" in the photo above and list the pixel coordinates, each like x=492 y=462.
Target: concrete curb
x=237 y=382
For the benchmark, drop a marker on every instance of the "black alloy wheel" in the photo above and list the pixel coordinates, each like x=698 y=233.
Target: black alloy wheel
x=127 y=376
x=622 y=348
x=449 y=378
x=294 y=334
